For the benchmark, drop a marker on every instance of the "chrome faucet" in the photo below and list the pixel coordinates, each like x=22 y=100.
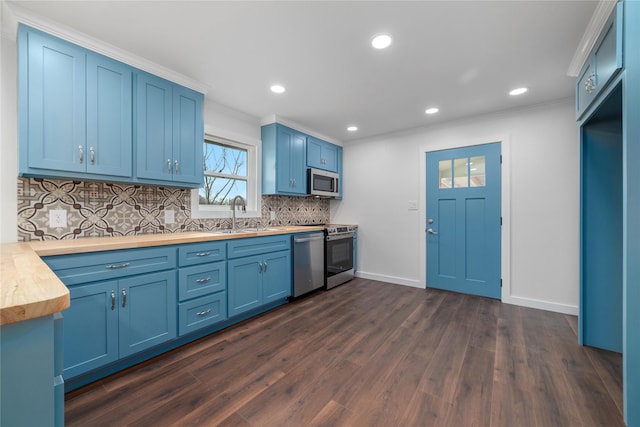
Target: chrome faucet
x=233 y=210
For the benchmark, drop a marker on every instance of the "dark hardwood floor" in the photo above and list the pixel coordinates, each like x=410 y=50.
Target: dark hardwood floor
x=370 y=354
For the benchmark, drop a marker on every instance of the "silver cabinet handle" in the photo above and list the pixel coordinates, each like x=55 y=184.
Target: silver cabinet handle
x=205 y=280
x=117 y=266
x=204 y=313
x=265 y=266
x=176 y=169
x=590 y=84
x=81 y=153
x=113 y=300
x=203 y=254
x=259 y=267
x=92 y=155
x=168 y=165
x=430 y=231
x=124 y=297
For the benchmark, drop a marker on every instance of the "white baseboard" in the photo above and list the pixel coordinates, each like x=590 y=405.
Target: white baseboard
x=524 y=302
x=389 y=279
x=542 y=305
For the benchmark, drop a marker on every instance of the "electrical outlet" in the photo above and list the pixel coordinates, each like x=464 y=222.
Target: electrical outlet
x=57 y=218
x=273 y=215
x=413 y=205
x=169 y=217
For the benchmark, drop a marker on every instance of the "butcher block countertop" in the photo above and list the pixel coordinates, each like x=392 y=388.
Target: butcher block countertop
x=29 y=289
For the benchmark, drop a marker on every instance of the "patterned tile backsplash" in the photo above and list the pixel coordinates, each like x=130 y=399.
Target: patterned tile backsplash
x=96 y=209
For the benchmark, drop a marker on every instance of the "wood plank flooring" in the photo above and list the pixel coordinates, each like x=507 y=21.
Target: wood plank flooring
x=370 y=354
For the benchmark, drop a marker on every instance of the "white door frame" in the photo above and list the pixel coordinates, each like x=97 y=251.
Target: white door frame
x=505 y=208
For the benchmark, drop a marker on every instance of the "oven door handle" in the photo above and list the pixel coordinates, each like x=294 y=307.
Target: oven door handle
x=340 y=236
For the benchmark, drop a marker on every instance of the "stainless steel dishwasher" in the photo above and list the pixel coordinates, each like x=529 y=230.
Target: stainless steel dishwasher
x=308 y=262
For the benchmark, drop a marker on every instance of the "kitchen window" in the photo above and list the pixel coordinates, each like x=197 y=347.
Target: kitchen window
x=230 y=169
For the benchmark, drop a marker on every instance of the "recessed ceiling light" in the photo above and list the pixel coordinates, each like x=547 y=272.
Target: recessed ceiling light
x=518 y=91
x=352 y=128
x=381 y=41
x=432 y=110
x=277 y=89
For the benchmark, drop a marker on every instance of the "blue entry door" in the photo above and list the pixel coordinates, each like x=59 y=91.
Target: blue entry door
x=463 y=220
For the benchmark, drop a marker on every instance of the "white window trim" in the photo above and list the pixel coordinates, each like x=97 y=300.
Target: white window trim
x=254 y=171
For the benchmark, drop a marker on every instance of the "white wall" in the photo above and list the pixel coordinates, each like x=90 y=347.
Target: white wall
x=382 y=174
x=8 y=141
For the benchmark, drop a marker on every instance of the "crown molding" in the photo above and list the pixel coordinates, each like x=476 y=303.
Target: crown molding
x=274 y=118
x=595 y=26
x=14 y=14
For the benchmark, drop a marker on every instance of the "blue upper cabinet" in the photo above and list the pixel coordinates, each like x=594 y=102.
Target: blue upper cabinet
x=283 y=161
x=75 y=110
x=77 y=118
x=108 y=117
x=154 y=127
x=169 y=132
x=603 y=63
x=321 y=154
x=52 y=92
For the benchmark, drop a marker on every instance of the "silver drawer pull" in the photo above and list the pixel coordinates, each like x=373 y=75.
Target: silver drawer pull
x=113 y=300
x=203 y=254
x=204 y=313
x=203 y=280
x=116 y=266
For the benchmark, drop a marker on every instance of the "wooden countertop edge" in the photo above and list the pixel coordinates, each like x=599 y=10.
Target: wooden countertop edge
x=29 y=289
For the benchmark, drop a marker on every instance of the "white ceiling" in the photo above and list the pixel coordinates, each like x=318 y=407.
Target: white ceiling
x=460 y=56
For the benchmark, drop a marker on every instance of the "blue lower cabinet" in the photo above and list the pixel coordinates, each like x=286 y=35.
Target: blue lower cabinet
x=147 y=311
x=27 y=384
x=245 y=284
x=114 y=319
x=276 y=276
x=258 y=280
x=202 y=312
x=91 y=327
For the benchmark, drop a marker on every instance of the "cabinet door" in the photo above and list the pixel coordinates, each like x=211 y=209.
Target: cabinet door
x=244 y=284
x=188 y=135
x=321 y=154
x=154 y=128
x=90 y=328
x=52 y=104
x=314 y=153
x=147 y=311
x=276 y=276
x=290 y=162
x=109 y=140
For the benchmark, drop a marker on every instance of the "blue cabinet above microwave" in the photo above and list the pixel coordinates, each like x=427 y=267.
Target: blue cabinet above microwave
x=287 y=157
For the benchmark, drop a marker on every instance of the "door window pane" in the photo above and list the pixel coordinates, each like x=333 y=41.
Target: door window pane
x=460 y=172
x=444 y=173
x=477 y=171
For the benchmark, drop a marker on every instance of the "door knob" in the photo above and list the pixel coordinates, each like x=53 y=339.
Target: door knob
x=430 y=231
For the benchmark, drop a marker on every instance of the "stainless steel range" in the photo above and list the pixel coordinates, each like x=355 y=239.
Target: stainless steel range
x=339 y=254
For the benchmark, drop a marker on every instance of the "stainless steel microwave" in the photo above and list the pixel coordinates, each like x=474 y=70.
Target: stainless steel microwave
x=322 y=183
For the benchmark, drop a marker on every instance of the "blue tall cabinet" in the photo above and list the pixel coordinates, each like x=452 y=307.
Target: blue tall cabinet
x=608 y=111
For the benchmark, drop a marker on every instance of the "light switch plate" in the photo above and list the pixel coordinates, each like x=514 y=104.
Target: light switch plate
x=413 y=205
x=57 y=218
x=169 y=217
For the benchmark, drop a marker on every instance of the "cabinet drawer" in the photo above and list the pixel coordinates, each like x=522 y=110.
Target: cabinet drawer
x=258 y=245
x=200 y=280
x=94 y=266
x=201 y=312
x=200 y=253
